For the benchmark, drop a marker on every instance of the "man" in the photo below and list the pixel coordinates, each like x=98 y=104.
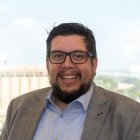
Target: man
x=74 y=108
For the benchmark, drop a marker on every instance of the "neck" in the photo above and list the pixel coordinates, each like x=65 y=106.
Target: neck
x=60 y=104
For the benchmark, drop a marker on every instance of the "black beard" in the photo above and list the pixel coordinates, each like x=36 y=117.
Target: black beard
x=69 y=97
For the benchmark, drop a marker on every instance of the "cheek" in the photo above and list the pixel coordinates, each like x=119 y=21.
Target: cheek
x=87 y=73
x=52 y=71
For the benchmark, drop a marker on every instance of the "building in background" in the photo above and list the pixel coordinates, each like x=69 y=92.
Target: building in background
x=17 y=80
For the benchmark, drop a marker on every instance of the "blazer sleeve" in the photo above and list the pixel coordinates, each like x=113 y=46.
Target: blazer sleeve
x=6 y=128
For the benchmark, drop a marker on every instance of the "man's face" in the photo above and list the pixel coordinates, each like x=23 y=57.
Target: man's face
x=69 y=77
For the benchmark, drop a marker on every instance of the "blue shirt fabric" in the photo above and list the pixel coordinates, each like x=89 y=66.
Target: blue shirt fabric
x=63 y=125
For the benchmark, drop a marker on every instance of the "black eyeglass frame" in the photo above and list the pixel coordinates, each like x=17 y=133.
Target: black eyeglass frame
x=88 y=54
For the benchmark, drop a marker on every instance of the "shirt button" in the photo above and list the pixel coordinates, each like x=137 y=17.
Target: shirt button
x=62 y=115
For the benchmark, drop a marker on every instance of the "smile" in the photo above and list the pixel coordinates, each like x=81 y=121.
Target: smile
x=69 y=77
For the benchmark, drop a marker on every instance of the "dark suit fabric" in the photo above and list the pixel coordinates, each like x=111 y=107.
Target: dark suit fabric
x=110 y=116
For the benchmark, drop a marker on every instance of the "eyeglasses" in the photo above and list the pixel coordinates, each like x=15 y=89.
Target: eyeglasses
x=76 y=57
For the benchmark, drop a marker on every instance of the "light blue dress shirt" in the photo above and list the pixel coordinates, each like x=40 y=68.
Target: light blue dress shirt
x=66 y=125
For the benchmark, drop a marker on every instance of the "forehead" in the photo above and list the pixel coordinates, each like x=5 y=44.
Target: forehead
x=68 y=43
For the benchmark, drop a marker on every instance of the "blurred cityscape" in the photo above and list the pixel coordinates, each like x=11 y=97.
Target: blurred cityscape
x=17 y=80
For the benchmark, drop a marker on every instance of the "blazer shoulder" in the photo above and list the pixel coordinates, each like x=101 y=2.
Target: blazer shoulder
x=118 y=100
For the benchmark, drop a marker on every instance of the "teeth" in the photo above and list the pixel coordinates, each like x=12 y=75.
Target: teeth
x=69 y=77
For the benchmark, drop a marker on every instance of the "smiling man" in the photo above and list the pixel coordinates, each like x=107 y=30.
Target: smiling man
x=73 y=108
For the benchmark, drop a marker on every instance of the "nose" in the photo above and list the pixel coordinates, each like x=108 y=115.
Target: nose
x=67 y=62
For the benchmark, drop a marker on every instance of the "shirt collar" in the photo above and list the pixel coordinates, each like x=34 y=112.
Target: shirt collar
x=84 y=99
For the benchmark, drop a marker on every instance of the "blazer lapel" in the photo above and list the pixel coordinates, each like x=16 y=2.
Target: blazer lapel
x=96 y=114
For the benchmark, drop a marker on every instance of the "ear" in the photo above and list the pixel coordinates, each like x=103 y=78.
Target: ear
x=94 y=63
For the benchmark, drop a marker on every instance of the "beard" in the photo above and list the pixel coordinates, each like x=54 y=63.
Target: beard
x=67 y=97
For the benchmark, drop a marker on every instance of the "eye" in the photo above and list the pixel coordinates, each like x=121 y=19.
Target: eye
x=78 y=55
x=57 y=55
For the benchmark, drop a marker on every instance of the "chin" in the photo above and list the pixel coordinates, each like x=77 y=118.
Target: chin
x=68 y=95
x=69 y=90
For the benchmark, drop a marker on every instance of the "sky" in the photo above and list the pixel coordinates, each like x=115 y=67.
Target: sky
x=115 y=23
